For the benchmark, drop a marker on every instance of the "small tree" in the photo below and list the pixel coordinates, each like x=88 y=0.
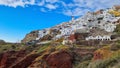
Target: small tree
x=117 y=30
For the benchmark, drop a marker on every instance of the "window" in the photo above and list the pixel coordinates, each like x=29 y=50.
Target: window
x=60 y=28
x=44 y=32
x=99 y=22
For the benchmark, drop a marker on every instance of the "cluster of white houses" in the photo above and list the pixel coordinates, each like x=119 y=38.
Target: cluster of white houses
x=101 y=19
x=42 y=33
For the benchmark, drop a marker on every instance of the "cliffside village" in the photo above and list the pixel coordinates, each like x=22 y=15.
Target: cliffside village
x=97 y=25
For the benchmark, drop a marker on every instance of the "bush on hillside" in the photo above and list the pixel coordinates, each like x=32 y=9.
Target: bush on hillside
x=106 y=63
x=115 y=47
x=83 y=64
x=117 y=30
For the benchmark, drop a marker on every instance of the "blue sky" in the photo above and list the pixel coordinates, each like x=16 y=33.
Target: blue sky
x=16 y=23
x=19 y=17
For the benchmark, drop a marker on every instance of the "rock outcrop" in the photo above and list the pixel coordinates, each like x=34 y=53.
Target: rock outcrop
x=16 y=59
x=25 y=62
x=20 y=59
x=10 y=57
x=30 y=37
x=59 y=60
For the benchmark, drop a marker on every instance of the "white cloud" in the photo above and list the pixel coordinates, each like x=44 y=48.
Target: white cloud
x=96 y=4
x=73 y=7
x=11 y=3
x=51 y=6
x=15 y=3
x=79 y=7
x=52 y=1
x=67 y=12
x=79 y=11
x=41 y=3
x=75 y=12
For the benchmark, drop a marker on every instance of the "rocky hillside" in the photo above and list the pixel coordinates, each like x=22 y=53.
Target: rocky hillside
x=104 y=19
x=50 y=52
x=31 y=36
x=56 y=55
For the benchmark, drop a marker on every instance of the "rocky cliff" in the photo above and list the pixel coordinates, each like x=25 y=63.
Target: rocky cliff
x=31 y=36
x=55 y=55
x=105 y=20
x=84 y=54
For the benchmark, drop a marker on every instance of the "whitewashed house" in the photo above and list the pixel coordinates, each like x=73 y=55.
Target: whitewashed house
x=98 y=37
x=42 y=33
x=99 y=34
x=103 y=20
x=106 y=37
x=110 y=27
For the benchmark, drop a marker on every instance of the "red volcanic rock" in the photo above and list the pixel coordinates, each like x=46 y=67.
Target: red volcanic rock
x=78 y=36
x=97 y=55
x=1 y=56
x=10 y=57
x=102 y=53
x=72 y=37
x=19 y=59
x=25 y=62
x=59 y=60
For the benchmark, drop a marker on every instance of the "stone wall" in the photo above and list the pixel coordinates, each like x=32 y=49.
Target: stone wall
x=93 y=42
x=78 y=36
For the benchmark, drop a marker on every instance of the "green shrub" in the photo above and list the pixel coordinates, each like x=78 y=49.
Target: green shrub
x=117 y=65
x=42 y=48
x=10 y=46
x=115 y=47
x=76 y=58
x=117 y=30
x=107 y=63
x=87 y=57
x=83 y=64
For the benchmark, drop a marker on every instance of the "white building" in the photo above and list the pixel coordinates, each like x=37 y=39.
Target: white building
x=42 y=33
x=110 y=27
x=98 y=37
x=89 y=20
